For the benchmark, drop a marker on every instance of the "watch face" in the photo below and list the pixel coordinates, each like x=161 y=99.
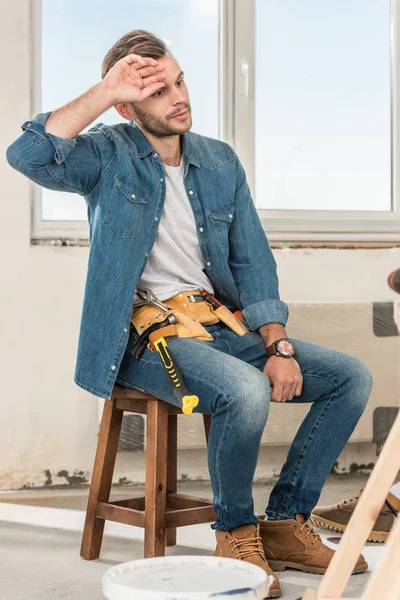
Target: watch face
x=285 y=348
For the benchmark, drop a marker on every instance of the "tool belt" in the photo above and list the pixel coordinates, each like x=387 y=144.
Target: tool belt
x=192 y=314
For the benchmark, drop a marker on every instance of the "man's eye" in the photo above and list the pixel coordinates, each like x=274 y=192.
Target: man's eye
x=158 y=92
x=180 y=81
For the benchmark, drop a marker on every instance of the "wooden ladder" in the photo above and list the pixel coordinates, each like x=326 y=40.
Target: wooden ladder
x=384 y=583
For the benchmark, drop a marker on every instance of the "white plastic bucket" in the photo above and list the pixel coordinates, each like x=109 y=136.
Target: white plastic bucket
x=186 y=578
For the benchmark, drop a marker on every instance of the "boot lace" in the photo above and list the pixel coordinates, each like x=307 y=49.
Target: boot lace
x=248 y=546
x=356 y=497
x=309 y=531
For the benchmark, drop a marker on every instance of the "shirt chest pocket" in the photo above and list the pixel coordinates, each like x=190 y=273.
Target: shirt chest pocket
x=124 y=212
x=221 y=217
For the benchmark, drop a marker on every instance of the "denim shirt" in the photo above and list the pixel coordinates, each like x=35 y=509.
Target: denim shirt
x=121 y=177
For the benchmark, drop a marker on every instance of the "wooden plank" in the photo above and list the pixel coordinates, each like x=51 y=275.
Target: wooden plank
x=136 y=401
x=172 y=471
x=310 y=594
x=101 y=479
x=363 y=518
x=384 y=582
x=189 y=516
x=135 y=503
x=120 y=514
x=175 y=501
x=156 y=478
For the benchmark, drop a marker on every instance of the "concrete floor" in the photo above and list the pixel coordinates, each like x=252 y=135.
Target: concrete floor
x=41 y=533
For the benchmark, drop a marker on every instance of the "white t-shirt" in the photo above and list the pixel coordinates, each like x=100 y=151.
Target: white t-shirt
x=175 y=263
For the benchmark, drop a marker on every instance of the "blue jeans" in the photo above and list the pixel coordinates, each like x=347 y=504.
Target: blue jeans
x=227 y=376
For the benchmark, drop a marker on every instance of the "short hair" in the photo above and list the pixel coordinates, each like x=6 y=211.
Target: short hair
x=140 y=42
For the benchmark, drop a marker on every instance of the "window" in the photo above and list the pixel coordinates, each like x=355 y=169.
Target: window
x=75 y=36
x=305 y=91
x=316 y=97
x=322 y=105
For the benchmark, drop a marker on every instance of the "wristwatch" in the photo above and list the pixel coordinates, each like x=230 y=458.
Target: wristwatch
x=283 y=347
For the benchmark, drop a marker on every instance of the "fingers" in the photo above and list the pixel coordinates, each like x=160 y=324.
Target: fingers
x=150 y=71
x=291 y=391
x=285 y=391
x=150 y=89
x=140 y=60
x=299 y=386
x=147 y=70
x=160 y=77
x=144 y=65
x=299 y=381
x=285 y=378
x=276 y=392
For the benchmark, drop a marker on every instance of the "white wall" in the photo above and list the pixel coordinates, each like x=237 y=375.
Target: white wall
x=329 y=275
x=47 y=422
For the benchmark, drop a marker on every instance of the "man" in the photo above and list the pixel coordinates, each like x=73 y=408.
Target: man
x=172 y=209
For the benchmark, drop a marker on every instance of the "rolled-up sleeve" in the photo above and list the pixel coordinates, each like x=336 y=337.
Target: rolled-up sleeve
x=71 y=165
x=252 y=263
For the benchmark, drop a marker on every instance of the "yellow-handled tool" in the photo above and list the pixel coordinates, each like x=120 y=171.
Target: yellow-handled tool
x=189 y=401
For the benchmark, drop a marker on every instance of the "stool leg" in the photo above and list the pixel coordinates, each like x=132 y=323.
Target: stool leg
x=100 y=486
x=156 y=478
x=172 y=469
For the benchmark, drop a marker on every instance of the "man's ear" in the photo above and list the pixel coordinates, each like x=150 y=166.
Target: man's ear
x=126 y=110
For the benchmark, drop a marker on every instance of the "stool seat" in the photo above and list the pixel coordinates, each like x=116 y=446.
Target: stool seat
x=161 y=510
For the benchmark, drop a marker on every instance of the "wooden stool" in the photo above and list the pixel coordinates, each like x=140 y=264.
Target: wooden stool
x=162 y=509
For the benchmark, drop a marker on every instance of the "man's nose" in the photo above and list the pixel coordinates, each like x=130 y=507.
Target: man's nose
x=179 y=97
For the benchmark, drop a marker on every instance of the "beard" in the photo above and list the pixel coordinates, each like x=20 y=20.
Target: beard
x=160 y=127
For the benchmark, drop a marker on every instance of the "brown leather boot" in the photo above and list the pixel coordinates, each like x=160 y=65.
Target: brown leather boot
x=244 y=543
x=294 y=544
x=337 y=516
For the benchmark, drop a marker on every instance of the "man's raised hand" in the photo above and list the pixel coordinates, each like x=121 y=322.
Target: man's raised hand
x=134 y=78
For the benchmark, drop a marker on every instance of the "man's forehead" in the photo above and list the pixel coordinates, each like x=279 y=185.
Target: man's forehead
x=172 y=67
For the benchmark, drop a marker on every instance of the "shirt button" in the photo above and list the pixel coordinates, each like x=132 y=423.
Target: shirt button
x=155 y=154
x=133 y=196
x=125 y=329
x=147 y=254
x=156 y=218
x=201 y=229
x=29 y=124
x=191 y=193
x=113 y=368
x=161 y=179
x=230 y=216
x=209 y=264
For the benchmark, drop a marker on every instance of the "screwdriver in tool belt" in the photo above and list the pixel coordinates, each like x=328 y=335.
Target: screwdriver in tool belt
x=211 y=299
x=215 y=304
